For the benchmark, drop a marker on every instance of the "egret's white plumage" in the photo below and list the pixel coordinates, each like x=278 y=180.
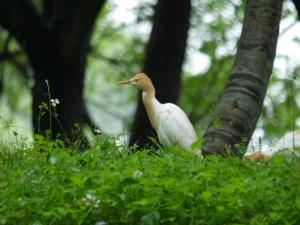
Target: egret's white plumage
x=170 y=122
x=285 y=145
x=172 y=125
x=288 y=141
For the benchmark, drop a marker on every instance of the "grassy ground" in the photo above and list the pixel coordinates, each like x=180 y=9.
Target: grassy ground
x=49 y=184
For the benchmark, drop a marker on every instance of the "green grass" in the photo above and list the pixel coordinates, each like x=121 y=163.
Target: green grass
x=49 y=184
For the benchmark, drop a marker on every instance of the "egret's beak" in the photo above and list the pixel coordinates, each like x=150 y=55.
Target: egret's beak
x=125 y=82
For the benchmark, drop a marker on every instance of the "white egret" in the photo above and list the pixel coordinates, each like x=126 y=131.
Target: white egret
x=285 y=145
x=168 y=120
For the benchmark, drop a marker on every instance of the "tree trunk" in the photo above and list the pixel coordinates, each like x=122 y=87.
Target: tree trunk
x=240 y=104
x=65 y=79
x=56 y=43
x=163 y=62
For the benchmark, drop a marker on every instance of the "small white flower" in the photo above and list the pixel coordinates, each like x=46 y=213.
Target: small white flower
x=89 y=196
x=34 y=181
x=100 y=223
x=137 y=174
x=97 y=203
x=90 y=200
x=54 y=102
x=97 y=131
x=30 y=173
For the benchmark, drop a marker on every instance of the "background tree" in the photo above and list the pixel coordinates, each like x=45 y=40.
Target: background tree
x=163 y=61
x=55 y=36
x=241 y=102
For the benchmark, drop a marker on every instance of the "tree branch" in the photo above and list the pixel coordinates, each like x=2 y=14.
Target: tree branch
x=9 y=55
x=5 y=54
x=6 y=43
x=23 y=68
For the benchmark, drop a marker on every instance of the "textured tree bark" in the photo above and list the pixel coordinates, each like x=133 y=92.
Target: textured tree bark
x=240 y=104
x=56 y=42
x=164 y=58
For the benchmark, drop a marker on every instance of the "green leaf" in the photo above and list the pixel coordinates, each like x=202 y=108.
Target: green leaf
x=278 y=160
x=220 y=208
x=78 y=178
x=297 y=203
x=206 y=195
x=217 y=123
x=273 y=215
x=196 y=145
x=3 y=184
x=54 y=159
x=143 y=202
x=3 y=220
x=150 y=218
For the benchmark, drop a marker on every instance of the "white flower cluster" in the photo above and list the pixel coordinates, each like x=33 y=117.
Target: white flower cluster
x=100 y=223
x=97 y=131
x=91 y=200
x=54 y=102
x=30 y=173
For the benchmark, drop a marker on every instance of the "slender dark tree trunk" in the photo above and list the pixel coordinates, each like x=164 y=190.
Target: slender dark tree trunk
x=240 y=104
x=56 y=42
x=65 y=79
x=164 y=58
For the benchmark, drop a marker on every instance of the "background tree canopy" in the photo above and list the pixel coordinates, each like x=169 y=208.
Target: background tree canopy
x=117 y=49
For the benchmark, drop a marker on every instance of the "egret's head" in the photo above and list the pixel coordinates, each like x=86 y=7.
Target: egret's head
x=140 y=80
x=256 y=156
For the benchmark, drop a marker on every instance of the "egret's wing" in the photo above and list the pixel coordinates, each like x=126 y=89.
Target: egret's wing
x=175 y=127
x=288 y=141
x=284 y=145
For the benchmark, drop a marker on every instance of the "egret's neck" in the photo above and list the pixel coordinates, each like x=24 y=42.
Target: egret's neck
x=148 y=90
x=150 y=103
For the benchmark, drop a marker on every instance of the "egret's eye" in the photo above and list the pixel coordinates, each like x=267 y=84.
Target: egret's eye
x=135 y=80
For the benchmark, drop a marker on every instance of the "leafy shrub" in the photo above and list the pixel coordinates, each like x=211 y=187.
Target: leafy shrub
x=49 y=184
